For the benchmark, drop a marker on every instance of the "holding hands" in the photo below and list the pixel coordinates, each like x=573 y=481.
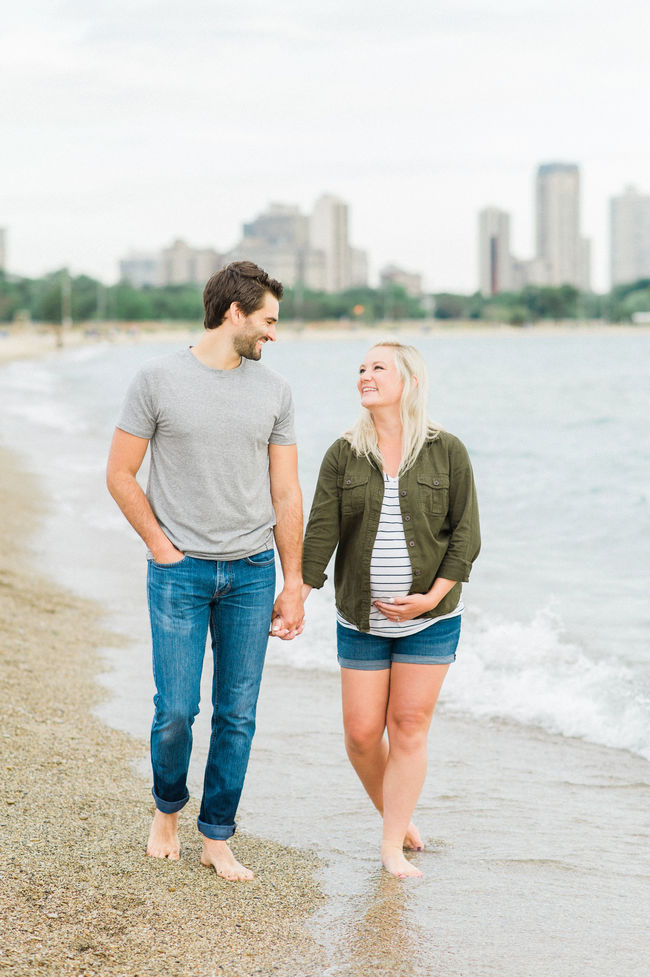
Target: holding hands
x=288 y=618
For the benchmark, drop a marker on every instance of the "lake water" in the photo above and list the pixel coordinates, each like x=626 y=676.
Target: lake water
x=536 y=803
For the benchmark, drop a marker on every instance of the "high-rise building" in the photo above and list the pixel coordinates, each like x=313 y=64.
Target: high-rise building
x=140 y=268
x=301 y=251
x=629 y=216
x=278 y=241
x=495 y=260
x=329 y=233
x=181 y=264
x=358 y=267
x=560 y=246
x=282 y=225
x=410 y=281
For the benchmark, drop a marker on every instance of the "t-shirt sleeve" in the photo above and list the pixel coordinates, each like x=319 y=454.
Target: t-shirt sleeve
x=137 y=415
x=283 y=430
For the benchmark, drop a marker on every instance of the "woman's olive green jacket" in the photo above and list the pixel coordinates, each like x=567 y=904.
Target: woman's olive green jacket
x=439 y=512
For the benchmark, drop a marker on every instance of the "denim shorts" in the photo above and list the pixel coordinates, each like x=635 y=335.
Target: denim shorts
x=435 y=645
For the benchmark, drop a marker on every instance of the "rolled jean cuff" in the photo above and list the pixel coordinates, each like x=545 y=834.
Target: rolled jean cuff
x=217 y=832
x=169 y=807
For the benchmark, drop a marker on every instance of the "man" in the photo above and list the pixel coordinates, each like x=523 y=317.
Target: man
x=223 y=483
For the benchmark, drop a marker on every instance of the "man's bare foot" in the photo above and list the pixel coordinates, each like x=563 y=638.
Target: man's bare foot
x=217 y=855
x=163 y=837
x=412 y=839
x=394 y=862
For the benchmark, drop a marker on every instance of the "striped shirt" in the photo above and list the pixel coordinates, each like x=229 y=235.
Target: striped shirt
x=390 y=570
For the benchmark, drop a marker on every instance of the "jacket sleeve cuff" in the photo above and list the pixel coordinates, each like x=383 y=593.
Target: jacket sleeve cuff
x=452 y=568
x=313 y=577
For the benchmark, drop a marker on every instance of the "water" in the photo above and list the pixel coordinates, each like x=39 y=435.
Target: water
x=558 y=622
x=553 y=667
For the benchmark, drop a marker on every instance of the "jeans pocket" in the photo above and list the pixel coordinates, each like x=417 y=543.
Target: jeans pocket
x=264 y=559
x=168 y=566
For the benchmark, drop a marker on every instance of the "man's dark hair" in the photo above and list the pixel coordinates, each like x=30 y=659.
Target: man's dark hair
x=241 y=281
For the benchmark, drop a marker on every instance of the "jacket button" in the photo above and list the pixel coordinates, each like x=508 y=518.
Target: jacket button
x=403 y=493
x=412 y=543
x=348 y=481
x=436 y=482
x=407 y=518
x=417 y=573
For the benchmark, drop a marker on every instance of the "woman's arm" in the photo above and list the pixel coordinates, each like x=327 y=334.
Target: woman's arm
x=323 y=526
x=465 y=539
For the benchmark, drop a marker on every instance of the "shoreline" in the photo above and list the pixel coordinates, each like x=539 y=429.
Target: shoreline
x=527 y=833
x=78 y=893
x=32 y=340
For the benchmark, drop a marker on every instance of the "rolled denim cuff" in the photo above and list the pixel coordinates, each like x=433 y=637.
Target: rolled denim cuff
x=169 y=807
x=217 y=832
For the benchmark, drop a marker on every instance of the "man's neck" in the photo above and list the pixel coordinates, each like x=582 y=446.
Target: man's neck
x=215 y=349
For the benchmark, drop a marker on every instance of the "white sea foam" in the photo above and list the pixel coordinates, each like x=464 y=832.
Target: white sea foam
x=47 y=413
x=32 y=378
x=532 y=673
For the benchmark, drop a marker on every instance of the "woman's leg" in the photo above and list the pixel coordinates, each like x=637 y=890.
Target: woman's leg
x=365 y=700
x=414 y=691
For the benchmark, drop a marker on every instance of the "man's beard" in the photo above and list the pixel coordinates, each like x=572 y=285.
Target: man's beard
x=246 y=346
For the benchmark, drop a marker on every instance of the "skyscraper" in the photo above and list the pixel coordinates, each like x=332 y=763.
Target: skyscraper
x=629 y=216
x=329 y=233
x=140 y=268
x=278 y=240
x=564 y=254
x=495 y=261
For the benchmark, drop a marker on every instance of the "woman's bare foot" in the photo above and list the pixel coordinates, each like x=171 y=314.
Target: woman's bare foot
x=163 y=837
x=412 y=839
x=394 y=862
x=217 y=855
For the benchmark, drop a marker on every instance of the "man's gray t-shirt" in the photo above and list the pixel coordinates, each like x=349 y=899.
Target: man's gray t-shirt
x=209 y=432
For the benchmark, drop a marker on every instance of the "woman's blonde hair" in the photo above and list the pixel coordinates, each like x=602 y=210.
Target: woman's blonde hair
x=416 y=425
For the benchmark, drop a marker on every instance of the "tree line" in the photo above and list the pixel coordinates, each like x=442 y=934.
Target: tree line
x=57 y=297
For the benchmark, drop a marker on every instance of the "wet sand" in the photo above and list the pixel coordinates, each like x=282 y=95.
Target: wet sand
x=77 y=893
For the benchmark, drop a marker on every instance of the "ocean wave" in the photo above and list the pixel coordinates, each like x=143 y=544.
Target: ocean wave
x=531 y=673
x=49 y=414
x=523 y=672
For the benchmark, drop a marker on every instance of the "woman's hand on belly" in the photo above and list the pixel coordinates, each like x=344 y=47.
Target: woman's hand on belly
x=407 y=607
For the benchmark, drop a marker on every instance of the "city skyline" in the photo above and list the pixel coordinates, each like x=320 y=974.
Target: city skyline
x=562 y=254
x=124 y=131
x=312 y=250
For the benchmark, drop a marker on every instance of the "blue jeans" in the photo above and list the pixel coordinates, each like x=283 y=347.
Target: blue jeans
x=233 y=599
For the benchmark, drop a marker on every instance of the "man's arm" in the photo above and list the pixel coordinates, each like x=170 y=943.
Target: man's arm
x=288 y=611
x=126 y=455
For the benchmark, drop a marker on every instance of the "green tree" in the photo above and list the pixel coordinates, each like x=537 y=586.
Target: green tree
x=451 y=306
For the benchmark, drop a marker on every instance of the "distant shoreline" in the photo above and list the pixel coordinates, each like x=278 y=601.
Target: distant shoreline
x=27 y=340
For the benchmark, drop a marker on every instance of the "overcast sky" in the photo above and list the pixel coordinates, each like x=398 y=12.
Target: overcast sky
x=129 y=123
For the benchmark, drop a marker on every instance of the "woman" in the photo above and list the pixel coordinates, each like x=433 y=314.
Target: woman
x=396 y=496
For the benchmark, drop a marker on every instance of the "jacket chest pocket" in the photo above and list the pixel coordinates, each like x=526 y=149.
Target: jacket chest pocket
x=353 y=493
x=433 y=492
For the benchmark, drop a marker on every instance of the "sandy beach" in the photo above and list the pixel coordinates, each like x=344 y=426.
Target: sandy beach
x=34 y=339
x=78 y=895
